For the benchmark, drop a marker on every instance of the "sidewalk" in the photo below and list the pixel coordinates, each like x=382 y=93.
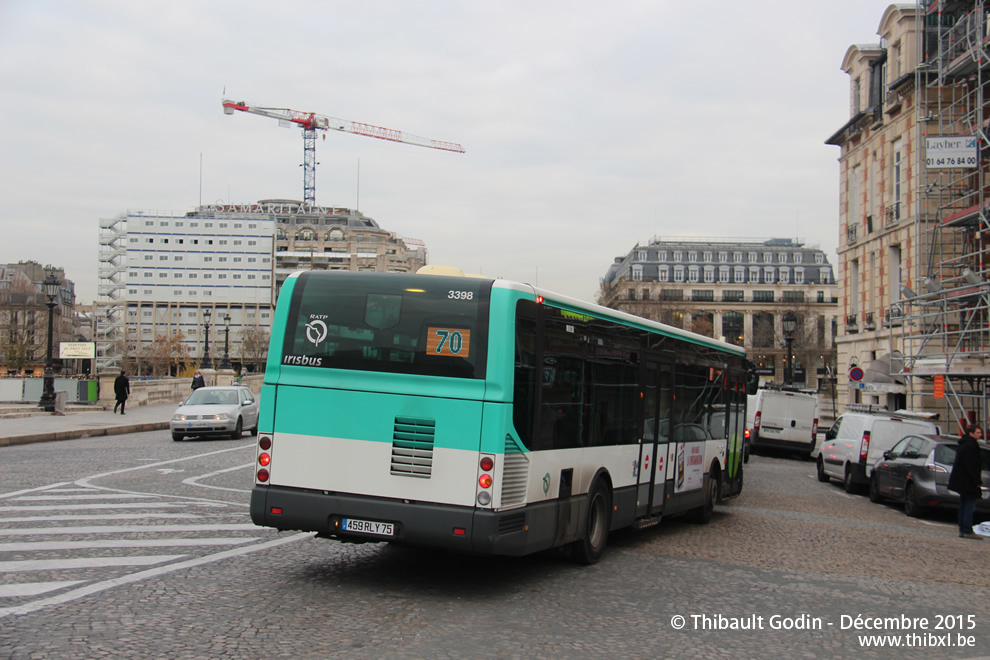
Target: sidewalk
x=23 y=424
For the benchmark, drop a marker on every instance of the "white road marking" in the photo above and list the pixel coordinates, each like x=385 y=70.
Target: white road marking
x=100 y=496
x=32 y=490
x=126 y=529
x=108 y=505
x=34 y=588
x=90 y=589
x=85 y=480
x=192 y=481
x=44 y=546
x=82 y=562
x=119 y=516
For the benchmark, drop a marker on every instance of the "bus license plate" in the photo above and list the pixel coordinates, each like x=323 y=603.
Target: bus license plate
x=367 y=527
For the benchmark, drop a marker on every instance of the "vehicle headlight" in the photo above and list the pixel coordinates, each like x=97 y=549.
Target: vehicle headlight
x=223 y=417
x=178 y=418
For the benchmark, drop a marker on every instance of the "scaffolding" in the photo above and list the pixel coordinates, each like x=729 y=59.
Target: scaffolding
x=108 y=313
x=943 y=316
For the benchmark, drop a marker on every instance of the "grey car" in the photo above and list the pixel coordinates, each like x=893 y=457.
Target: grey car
x=916 y=470
x=216 y=411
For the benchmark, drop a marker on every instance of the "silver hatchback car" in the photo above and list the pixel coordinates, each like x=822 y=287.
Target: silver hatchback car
x=216 y=411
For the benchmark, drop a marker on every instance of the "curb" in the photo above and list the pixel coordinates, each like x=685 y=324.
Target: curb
x=75 y=434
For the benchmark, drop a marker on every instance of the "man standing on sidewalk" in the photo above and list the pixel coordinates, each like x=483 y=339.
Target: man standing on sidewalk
x=122 y=389
x=966 y=478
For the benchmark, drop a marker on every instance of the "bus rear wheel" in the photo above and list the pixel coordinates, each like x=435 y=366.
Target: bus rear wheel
x=704 y=512
x=589 y=549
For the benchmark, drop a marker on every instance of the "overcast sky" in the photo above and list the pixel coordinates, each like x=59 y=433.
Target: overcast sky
x=589 y=127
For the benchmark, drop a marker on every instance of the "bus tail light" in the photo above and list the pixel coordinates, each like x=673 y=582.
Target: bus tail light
x=864 y=446
x=485 y=479
x=264 y=459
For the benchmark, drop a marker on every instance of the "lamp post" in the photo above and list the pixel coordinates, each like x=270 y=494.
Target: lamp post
x=225 y=363
x=790 y=325
x=205 y=363
x=47 y=403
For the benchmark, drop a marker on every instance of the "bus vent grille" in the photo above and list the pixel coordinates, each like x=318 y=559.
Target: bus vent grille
x=514 y=523
x=412 y=447
x=515 y=474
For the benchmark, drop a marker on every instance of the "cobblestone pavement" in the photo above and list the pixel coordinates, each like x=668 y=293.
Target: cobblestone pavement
x=789 y=552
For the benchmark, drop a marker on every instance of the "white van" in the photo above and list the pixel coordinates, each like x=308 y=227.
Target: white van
x=782 y=419
x=858 y=439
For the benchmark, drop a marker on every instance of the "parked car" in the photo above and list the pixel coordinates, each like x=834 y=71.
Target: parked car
x=857 y=440
x=782 y=419
x=916 y=472
x=216 y=411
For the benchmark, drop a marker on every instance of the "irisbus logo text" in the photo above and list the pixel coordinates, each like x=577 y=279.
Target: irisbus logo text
x=302 y=360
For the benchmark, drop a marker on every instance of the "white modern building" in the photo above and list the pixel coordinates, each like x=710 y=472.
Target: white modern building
x=165 y=274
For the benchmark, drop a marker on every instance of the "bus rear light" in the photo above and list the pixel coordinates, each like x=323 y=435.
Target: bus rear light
x=264 y=459
x=864 y=446
x=460 y=531
x=265 y=442
x=747 y=433
x=277 y=510
x=262 y=475
x=487 y=463
x=485 y=481
x=484 y=498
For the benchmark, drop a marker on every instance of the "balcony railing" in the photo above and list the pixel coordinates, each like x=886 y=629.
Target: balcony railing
x=852 y=233
x=868 y=322
x=852 y=323
x=892 y=215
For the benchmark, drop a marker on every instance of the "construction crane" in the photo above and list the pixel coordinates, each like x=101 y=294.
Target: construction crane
x=311 y=122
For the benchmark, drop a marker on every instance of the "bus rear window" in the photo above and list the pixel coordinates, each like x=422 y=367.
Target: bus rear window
x=414 y=324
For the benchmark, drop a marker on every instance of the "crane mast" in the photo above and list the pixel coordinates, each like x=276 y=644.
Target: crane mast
x=311 y=122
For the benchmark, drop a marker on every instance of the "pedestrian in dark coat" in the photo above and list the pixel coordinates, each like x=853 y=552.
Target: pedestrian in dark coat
x=122 y=390
x=198 y=381
x=966 y=478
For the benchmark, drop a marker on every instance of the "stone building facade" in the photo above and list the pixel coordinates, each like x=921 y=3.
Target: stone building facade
x=738 y=291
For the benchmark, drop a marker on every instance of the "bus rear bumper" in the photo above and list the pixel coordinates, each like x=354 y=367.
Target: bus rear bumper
x=515 y=532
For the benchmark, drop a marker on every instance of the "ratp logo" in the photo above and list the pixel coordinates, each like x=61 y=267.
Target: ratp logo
x=546 y=483
x=316 y=331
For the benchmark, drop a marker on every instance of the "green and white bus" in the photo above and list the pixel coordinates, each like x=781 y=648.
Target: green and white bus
x=487 y=416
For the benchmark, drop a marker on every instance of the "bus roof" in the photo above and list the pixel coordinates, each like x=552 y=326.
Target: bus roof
x=575 y=305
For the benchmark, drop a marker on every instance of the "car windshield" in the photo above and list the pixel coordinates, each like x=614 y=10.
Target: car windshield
x=203 y=397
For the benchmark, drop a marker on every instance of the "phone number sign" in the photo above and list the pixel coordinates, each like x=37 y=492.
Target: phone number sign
x=951 y=152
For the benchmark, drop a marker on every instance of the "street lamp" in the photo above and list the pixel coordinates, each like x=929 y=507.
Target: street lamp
x=225 y=363
x=47 y=403
x=790 y=325
x=205 y=363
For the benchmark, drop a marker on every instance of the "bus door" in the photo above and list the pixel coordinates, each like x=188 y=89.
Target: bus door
x=735 y=390
x=656 y=398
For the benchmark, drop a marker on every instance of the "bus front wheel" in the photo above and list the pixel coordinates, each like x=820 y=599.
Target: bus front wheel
x=589 y=548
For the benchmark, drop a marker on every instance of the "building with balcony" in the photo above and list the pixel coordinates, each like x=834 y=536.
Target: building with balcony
x=24 y=318
x=738 y=291
x=880 y=247
x=914 y=195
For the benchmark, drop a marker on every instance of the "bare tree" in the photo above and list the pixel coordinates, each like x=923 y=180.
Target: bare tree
x=254 y=347
x=22 y=324
x=167 y=351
